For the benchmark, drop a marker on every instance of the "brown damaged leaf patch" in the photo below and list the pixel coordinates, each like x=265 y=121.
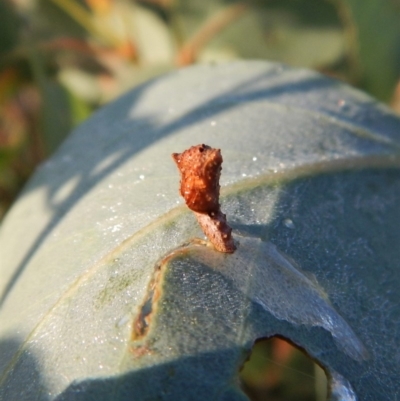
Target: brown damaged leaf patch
x=142 y=322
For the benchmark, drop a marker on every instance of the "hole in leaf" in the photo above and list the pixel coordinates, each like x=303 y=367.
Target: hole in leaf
x=277 y=370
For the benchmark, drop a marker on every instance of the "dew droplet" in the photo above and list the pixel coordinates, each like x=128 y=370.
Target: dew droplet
x=123 y=321
x=116 y=228
x=289 y=223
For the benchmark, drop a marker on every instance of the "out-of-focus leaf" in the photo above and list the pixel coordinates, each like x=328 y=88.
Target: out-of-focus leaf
x=115 y=300
x=149 y=33
x=49 y=20
x=9 y=80
x=276 y=368
x=8 y=28
x=79 y=109
x=276 y=31
x=55 y=111
x=81 y=84
x=276 y=36
x=56 y=116
x=152 y=45
x=374 y=29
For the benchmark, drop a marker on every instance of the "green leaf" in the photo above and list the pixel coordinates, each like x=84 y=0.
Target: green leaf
x=374 y=29
x=80 y=110
x=8 y=28
x=278 y=35
x=107 y=295
x=301 y=33
x=49 y=20
x=57 y=107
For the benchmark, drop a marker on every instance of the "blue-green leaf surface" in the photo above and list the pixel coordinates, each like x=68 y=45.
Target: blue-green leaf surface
x=108 y=295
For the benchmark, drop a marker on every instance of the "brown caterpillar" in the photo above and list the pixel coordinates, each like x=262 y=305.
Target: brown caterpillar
x=200 y=168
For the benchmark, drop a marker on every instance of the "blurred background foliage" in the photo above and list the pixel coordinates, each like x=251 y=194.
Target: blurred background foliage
x=278 y=371
x=62 y=59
